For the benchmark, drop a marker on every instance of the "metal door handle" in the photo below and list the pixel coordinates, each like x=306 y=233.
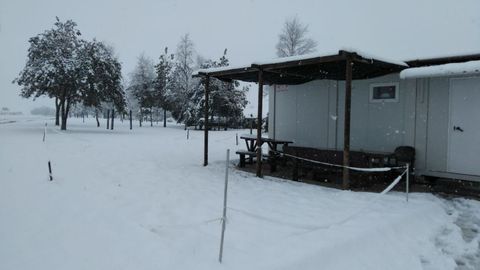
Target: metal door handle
x=457 y=128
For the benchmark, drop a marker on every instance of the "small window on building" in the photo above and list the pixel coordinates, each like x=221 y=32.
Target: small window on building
x=384 y=92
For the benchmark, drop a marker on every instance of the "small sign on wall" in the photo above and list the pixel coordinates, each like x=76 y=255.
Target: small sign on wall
x=384 y=92
x=281 y=87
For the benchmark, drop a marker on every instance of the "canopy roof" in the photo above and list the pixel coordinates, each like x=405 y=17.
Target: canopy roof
x=302 y=69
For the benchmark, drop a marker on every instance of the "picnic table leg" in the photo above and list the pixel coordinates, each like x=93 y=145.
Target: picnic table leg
x=242 y=160
x=273 y=163
x=295 y=169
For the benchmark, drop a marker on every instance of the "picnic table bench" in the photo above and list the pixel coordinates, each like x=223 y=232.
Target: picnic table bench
x=252 y=145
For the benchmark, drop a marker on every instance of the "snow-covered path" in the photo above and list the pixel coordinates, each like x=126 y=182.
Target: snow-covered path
x=142 y=200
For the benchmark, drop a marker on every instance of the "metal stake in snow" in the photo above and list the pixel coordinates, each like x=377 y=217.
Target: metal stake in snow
x=50 y=171
x=49 y=164
x=44 y=132
x=408 y=180
x=224 y=217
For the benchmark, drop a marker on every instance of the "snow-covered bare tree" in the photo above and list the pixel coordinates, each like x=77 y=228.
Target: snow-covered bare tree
x=293 y=39
x=183 y=108
x=141 y=86
x=164 y=83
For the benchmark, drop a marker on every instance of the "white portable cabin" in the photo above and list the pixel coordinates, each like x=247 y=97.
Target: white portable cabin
x=433 y=106
x=349 y=100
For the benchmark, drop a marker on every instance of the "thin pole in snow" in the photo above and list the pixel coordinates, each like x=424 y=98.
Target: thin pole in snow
x=236 y=138
x=408 y=180
x=44 y=132
x=50 y=170
x=49 y=163
x=188 y=133
x=224 y=217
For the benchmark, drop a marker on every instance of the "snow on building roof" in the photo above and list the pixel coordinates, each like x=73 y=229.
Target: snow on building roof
x=218 y=69
x=329 y=53
x=465 y=68
x=360 y=53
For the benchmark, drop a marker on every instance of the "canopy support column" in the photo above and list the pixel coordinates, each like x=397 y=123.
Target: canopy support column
x=205 y=126
x=259 y=123
x=346 y=128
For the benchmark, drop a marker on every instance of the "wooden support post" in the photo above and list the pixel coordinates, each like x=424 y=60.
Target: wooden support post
x=259 y=123
x=205 y=142
x=346 y=128
x=407 y=184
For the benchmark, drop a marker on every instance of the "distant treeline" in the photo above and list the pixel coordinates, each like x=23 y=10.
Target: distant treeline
x=6 y=111
x=44 y=110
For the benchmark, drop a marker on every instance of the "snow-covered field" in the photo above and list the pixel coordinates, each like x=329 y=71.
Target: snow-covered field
x=141 y=199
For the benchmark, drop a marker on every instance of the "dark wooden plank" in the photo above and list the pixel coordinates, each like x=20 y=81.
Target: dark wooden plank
x=259 y=123
x=346 y=128
x=205 y=137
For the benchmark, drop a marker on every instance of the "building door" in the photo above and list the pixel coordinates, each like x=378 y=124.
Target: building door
x=464 y=126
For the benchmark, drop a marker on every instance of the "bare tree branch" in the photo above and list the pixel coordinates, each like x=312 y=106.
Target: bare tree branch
x=293 y=41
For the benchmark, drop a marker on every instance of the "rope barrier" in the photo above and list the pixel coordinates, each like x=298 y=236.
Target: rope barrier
x=185 y=225
x=383 y=169
x=311 y=228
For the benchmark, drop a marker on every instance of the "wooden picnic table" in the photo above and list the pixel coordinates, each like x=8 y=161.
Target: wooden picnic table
x=252 y=144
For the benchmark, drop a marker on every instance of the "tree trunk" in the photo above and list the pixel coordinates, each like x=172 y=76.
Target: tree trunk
x=96 y=118
x=130 y=119
x=113 y=117
x=108 y=119
x=65 y=111
x=64 y=120
x=151 y=116
x=57 y=112
x=164 y=118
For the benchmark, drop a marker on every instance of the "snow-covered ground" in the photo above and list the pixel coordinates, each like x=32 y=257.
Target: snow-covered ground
x=141 y=199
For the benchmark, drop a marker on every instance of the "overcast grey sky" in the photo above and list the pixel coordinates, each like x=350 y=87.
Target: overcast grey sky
x=397 y=29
